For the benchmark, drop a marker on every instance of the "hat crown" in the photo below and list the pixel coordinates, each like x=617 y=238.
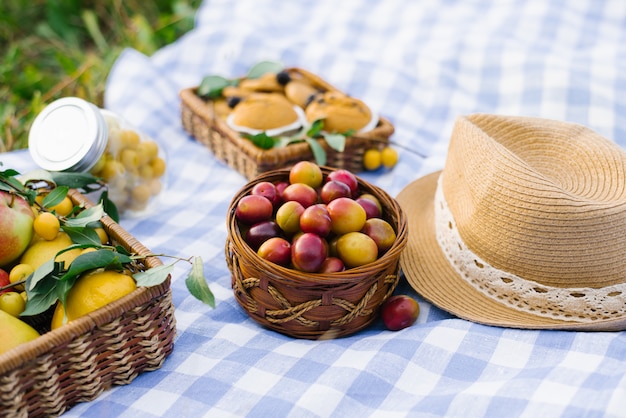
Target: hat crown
x=541 y=199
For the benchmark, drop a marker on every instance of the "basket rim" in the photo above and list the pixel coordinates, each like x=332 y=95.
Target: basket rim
x=336 y=279
x=28 y=351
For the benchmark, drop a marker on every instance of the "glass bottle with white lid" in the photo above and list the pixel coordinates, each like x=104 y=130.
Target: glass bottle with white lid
x=72 y=134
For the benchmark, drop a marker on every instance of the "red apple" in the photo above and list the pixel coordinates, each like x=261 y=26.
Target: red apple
x=399 y=311
x=4 y=281
x=16 y=227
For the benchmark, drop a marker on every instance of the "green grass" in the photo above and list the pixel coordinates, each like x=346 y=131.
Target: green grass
x=53 y=49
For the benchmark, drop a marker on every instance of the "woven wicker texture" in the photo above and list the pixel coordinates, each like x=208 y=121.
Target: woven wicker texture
x=309 y=305
x=80 y=360
x=200 y=120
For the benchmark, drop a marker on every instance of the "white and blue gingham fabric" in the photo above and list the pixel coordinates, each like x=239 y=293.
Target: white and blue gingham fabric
x=421 y=64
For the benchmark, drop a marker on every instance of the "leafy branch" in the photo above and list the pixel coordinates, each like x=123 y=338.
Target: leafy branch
x=308 y=134
x=52 y=281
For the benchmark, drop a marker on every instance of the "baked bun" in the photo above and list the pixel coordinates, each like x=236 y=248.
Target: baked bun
x=265 y=112
x=340 y=113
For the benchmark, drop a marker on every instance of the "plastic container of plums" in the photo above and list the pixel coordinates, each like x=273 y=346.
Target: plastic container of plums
x=72 y=134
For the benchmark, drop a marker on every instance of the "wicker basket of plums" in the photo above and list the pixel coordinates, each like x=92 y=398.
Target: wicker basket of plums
x=313 y=251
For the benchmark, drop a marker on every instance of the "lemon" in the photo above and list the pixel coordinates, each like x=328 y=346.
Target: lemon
x=389 y=157
x=47 y=226
x=92 y=291
x=14 y=332
x=371 y=159
x=41 y=251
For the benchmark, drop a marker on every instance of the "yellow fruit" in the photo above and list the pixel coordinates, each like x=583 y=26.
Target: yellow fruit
x=12 y=303
x=158 y=166
x=14 y=332
x=102 y=234
x=63 y=208
x=41 y=251
x=92 y=291
x=371 y=159
x=19 y=273
x=130 y=139
x=389 y=157
x=47 y=225
x=149 y=149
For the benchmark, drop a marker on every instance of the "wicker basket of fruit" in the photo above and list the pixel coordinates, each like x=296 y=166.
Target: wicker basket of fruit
x=321 y=258
x=79 y=359
x=274 y=117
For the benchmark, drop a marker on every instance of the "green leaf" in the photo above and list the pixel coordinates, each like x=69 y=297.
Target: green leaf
x=84 y=218
x=38 y=275
x=83 y=235
x=318 y=151
x=38 y=175
x=336 y=141
x=102 y=258
x=264 y=67
x=197 y=285
x=109 y=207
x=262 y=140
x=55 y=196
x=212 y=85
x=315 y=128
x=44 y=298
x=74 y=180
x=153 y=276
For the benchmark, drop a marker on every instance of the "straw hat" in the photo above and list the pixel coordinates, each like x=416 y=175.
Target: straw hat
x=525 y=227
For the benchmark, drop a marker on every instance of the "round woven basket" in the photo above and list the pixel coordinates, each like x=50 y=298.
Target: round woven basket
x=313 y=305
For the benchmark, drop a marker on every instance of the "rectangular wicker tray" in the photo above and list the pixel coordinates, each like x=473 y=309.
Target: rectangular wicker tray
x=199 y=119
x=77 y=362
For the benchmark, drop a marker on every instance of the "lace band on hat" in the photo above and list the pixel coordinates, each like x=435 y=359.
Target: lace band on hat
x=567 y=304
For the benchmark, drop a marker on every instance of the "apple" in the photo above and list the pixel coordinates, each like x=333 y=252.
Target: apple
x=399 y=311
x=4 y=281
x=16 y=227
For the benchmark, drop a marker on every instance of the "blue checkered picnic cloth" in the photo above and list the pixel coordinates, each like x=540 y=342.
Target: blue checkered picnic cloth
x=421 y=64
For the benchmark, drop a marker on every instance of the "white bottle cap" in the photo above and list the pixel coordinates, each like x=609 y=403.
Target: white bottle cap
x=70 y=134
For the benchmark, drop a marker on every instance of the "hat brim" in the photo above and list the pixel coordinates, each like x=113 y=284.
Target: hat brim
x=431 y=275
